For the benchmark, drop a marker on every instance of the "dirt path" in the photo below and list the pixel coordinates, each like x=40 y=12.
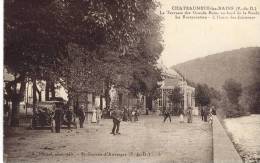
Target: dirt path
x=148 y=140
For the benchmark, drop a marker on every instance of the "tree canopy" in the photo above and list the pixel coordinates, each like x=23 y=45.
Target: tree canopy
x=89 y=43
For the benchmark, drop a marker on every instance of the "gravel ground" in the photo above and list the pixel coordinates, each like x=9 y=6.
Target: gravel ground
x=148 y=140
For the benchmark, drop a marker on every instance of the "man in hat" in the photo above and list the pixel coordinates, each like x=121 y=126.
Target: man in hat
x=116 y=115
x=81 y=115
x=167 y=114
x=57 y=119
x=70 y=116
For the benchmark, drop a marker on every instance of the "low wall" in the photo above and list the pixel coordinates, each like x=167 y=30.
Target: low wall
x=223 y=149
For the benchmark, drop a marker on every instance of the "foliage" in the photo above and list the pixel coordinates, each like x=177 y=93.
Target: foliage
x=229 y=109
x=250 y=99
x=84 y=45
x=233 y=90
x=202 y=95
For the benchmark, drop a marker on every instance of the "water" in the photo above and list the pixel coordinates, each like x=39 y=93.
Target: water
x=245 y=133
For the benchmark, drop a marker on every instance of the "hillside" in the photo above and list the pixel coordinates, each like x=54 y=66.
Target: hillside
x=214 y=69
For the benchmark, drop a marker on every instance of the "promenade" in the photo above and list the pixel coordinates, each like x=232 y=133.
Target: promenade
x=148 y=140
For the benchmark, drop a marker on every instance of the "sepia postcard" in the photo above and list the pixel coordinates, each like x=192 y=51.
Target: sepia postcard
x=129 y=81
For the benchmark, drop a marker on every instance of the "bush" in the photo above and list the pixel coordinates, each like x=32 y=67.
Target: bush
x=232 y=110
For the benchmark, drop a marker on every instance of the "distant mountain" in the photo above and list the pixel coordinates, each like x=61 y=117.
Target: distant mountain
x=240 y=64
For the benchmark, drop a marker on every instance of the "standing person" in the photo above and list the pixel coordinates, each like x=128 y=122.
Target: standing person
x=70 y=116
x=206 y=112
x=130 y=114
x=214 y=110
x=125 y=114
x=202 y=111
x=181 y=115
x=57 y=119
x=81 y=116
x=136 y=115
x=133 y=114
x=99 y=114
x=117 y=118
x=94 y=116
x=6 y=114
x=189 y=115
x=167 y=115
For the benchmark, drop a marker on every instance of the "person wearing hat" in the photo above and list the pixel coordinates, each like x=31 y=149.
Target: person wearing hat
x=69 y=116
x=81 y=114
x=116 y=115
x=57 y=119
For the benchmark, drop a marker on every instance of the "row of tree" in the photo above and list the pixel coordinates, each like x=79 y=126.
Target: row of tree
x=233 y=101
x=83 y=45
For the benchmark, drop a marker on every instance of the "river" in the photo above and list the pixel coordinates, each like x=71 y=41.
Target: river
x=245 y=133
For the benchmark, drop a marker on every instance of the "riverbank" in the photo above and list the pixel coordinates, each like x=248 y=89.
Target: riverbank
x=244 y=132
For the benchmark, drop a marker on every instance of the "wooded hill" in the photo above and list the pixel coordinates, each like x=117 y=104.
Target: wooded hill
x=240 y=65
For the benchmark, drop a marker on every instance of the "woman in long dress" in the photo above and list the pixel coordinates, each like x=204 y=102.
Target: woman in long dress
x=94 y=116
x=181 y=116
x=99 y=114
x=189 y=115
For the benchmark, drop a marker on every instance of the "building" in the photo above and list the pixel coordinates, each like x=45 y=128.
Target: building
x=172 y=79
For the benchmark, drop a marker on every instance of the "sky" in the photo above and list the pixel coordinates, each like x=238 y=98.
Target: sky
x=189 y=39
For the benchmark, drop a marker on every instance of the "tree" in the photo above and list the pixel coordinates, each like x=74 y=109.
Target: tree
x=233 y=90
x=202 y=95
x=250 y=99
x=39 y=35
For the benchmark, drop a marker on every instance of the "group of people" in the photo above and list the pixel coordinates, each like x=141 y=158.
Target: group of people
x=167 y=114
x=130 y=114
x=67 y=117
x=206 y=113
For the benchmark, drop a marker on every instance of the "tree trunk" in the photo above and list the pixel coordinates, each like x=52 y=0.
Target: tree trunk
x=34 y=95
x=70 y=99
x=52 y=90
x=16 y=98
x=15 y=111
x=101 y=102
x=93 y=99
x=120 y=99
x=107 y=95
x=47 y=91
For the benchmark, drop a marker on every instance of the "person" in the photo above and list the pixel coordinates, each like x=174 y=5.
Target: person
x=147 y=111
x=214 y=111
x=116 y=115
x=6 y=114
x=133 y=114
x=94 y=116
x=202 y=111
x=189 y=115
x=206 y=112
x=99 y=114
x=167 y=115
x=70 y=116
x=57 y=119
x=136 y=115
x=81 y=116
x=181 y=116
x=125 y=114
x=129 y=114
